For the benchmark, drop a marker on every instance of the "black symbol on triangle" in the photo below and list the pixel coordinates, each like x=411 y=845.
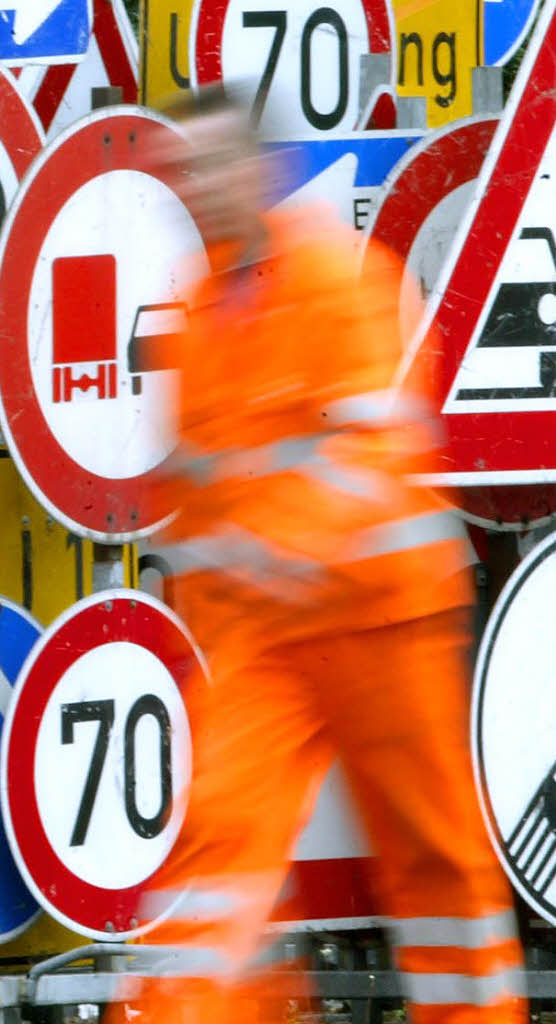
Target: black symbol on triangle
x=514 y=321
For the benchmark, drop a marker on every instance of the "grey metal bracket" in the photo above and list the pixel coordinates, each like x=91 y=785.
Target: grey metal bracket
x=487 y=90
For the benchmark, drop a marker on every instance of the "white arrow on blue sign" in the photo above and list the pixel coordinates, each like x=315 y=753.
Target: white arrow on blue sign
x=18 y=632
x=345 y=171
x=44 y=31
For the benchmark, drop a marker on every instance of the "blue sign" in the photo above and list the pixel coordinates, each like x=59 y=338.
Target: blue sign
x=506 y=24
x=18 y=632
x=44 y=31
x=342 y=171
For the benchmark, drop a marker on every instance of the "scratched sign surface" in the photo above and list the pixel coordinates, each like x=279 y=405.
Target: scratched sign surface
x=79 y=409
x=495 y=303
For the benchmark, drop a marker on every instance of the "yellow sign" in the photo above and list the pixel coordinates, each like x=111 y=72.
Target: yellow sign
x=43 y=567
x=164 y=35
x=438 y=42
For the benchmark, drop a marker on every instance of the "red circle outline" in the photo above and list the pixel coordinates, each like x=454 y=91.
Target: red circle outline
x=93 y=504
x=432 y=174
x=88 y=906
x=210 y=29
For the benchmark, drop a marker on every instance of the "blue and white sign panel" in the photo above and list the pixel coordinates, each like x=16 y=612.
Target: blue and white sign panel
x=44 y=31
x=18 y=632
x=506 y=24
x=345 y=172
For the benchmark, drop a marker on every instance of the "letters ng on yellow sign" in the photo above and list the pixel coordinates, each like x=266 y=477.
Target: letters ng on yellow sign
x=164 y=36
x=438 y=43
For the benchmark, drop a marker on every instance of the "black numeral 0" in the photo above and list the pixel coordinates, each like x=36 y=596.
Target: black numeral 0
x=324 y=16
x=147 y=828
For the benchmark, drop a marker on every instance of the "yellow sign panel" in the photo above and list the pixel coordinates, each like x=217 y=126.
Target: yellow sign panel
x=438 y=42
x=43 y=567
x=164 y=35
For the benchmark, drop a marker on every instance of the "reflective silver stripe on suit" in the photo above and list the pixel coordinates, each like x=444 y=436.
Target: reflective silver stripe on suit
x=446 y=989
x=191 y=904
x=236 y=551
x=369 y=484
x=466 y=932
x=405 y=534
x=378 y=408
x=257 y=462
x=188 y=962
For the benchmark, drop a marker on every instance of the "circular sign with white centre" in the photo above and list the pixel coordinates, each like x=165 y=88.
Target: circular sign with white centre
x=300 y=64
x=98 y=260
x=514 y=729
x=96 y=758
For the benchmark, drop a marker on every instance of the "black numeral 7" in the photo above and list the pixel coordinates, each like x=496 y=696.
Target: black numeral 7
x=101 y=711
x=266 y=19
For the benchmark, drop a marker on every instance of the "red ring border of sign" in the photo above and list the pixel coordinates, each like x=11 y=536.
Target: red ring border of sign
x=102 y=142
x=22 y=132
x=77 y=904
x=207 y=24
x=433 y=160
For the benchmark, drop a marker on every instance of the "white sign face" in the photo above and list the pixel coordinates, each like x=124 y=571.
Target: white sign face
x=114 y=740
x=514 y=729
x=303 y=40
x=113 y=432
x=303 y=59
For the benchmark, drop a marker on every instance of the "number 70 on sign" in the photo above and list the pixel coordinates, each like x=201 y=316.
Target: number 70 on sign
x=300 y=60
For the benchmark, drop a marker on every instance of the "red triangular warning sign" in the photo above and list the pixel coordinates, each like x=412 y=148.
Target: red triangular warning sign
x=496 y=300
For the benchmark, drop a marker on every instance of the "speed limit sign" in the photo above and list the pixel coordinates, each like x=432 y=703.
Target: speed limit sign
x=96 y=758
x=304 y=55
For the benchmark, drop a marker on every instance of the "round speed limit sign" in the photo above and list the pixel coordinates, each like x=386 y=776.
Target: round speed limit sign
x=305 y=56
x=96 y=758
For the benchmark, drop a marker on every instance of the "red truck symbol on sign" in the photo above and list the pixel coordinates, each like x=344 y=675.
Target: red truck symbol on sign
x=83 y=325
x=84 y=330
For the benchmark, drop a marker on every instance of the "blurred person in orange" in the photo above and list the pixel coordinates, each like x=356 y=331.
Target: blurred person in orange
x=329 y=595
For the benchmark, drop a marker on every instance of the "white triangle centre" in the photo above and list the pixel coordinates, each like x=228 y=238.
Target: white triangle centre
x=510 y=363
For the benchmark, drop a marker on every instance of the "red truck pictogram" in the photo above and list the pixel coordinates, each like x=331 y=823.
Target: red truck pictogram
x=84 y=326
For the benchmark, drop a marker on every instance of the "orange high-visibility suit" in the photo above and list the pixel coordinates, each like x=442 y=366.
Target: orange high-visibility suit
x=328 y=593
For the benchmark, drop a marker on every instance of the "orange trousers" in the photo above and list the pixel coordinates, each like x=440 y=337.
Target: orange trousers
x=392 y=704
